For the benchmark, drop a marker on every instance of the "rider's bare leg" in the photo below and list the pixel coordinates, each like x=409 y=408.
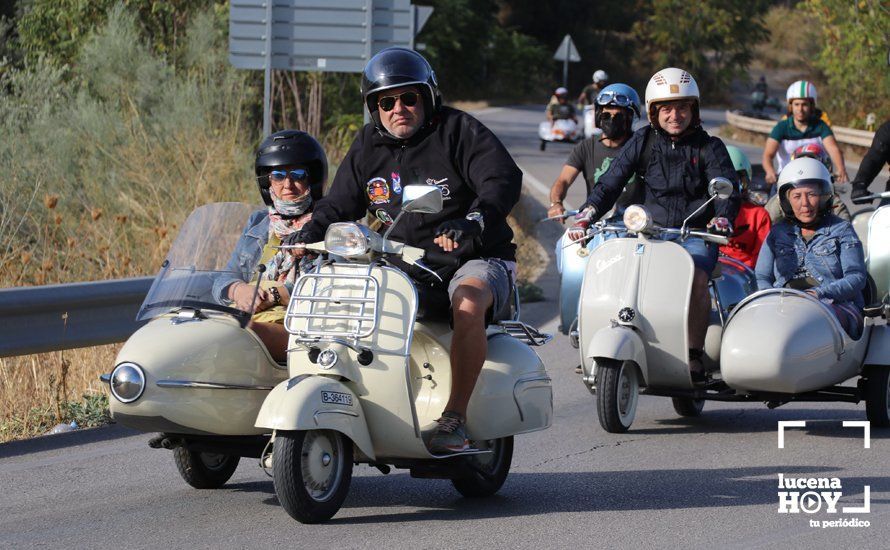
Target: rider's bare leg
x=273 y=336
x=469 y=345
x=699 y=312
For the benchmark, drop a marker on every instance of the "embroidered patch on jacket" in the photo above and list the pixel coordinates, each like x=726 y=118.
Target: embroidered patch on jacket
x=383 y=216
x=396 y=183
x=378 y=190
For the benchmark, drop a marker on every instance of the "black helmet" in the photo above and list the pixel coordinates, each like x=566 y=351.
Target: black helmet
x=289 y=147
x=396 y=67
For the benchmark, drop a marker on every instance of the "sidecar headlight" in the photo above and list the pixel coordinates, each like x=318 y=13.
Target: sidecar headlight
x=349 y=239
x=127 y=382
x=637 y=219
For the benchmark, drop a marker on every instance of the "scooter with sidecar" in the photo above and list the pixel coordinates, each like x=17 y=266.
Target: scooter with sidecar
x=369 y=372
x=194 y=373
x=776 y=346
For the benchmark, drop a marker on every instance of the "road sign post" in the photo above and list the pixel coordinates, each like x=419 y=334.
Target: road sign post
x=566 y=52
x=317 y=35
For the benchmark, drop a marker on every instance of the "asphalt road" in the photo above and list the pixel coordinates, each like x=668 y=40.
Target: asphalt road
x=695 y=483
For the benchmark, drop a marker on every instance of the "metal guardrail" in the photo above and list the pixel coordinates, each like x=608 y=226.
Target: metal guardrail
x=54 y=317
x=848 y=136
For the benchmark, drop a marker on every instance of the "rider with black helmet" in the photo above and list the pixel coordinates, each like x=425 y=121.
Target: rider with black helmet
x=415 y=140
x=291 y=169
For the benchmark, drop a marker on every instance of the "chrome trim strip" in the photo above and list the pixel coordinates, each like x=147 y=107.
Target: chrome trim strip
x=333 y=411
x=208 y=385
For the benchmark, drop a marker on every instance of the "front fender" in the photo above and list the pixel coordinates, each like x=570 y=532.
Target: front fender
x=621 y=343
x=308 y=402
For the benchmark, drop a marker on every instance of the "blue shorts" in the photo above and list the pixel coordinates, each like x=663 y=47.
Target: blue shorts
x=704 y=254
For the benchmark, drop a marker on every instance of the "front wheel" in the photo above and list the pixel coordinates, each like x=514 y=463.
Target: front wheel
x=204 y=470
x=877 y=395
x=618 y=389
x=486 y=473
x=311 y=471
x=687 y=406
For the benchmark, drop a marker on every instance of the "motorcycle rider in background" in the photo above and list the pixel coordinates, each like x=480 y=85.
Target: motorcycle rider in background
x=877 y=156
x=803 y=125
x=679 y=159
x=752 y=224
x=562 y=109
x=590 y=92
x=616 y=108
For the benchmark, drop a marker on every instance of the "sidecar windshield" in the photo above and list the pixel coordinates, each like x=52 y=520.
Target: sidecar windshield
x=201 y=263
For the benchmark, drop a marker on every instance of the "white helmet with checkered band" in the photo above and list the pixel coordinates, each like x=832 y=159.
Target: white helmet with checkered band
x=670 y=84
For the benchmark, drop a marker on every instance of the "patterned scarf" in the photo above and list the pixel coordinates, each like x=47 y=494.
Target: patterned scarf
x=286 y=217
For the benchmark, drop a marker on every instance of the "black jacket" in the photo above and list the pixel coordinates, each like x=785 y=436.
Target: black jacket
x=675 y=183
x=877 y=156
x=453 y=151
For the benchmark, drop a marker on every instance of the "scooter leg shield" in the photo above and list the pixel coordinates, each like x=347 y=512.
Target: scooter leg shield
x=316 y=403
x=620 y=343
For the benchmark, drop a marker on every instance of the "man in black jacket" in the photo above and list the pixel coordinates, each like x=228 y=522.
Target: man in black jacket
x=679 y=159
x=414 y=140
x=877 y=156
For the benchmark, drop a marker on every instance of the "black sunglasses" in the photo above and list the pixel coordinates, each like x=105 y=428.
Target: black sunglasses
x=388 y=103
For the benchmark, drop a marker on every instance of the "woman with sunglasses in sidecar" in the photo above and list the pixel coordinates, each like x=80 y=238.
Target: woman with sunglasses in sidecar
x=812 y=249
x=291 y=169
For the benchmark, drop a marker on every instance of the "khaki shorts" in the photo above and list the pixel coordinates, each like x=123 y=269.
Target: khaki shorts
x=495 y=272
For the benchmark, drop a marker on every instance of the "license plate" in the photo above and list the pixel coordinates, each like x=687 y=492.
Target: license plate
x=336 y=398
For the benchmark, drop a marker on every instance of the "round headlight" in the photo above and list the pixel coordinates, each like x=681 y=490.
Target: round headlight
x=127 y=382
x=327 y=358
x=347 y=239
x=637 y=218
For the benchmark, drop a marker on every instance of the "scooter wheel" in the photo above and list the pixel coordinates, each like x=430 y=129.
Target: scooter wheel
x=877 y=395
x=312 y=471
x=687 y=406
x=204 y=470
x=617 y=393
x=486 y=473
x=543 y=145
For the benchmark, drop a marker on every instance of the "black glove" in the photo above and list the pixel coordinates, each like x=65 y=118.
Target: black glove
x=460 y=230
x=859 y=190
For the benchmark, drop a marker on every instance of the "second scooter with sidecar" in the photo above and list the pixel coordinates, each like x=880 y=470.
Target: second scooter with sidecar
x=369 y=372
x=776 y=346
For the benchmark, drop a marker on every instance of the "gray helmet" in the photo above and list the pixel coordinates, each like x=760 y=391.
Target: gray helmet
x=289 y=147
x=394 y=68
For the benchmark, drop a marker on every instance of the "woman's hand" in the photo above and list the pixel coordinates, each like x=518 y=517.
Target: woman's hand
x=243 y=295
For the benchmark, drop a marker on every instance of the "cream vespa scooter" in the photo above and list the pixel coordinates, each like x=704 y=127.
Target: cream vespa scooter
x=367 y=377
x=873 y=225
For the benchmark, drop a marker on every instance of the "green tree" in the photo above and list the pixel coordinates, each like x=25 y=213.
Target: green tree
x=855 y=41
x=712 y=39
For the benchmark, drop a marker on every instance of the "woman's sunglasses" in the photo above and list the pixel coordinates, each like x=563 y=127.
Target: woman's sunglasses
x=388 y=103
x=279 y=176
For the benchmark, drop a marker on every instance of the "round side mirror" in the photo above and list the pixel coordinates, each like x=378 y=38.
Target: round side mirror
x=720 y=187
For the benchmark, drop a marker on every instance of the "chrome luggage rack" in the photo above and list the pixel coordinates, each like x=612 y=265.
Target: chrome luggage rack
x=319 y=291
x=526 y=333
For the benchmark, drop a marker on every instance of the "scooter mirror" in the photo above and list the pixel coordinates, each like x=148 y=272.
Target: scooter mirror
x=720 y=187
x=423 y=199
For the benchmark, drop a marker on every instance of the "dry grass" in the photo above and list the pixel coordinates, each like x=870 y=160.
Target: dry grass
x=36 y=391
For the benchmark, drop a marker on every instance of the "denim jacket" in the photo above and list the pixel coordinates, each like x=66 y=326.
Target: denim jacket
x=246 y=255
x=833 y=257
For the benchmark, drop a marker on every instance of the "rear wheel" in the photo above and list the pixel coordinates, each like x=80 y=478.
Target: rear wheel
x=486 y=473
x=877 y=395
x=687 y=406
x=312 y=471
x=617 y=393
x=204 y=470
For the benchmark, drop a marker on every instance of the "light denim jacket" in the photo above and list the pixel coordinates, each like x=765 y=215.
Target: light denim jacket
x=246 y=255
x=833 y=257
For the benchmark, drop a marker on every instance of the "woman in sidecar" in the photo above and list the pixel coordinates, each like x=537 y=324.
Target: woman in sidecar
x=291 y=169
x=812 y=249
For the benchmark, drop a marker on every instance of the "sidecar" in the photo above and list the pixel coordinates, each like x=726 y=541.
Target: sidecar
x=195 y=373
x=782 y=345
x=564 y=130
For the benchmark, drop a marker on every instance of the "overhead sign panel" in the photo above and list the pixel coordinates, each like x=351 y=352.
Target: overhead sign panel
x=319 y=35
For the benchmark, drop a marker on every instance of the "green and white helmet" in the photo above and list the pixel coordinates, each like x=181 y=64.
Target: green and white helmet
x=740 y=162
x=802 y=89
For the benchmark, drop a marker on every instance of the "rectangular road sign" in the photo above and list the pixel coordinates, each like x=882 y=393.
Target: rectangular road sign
x=319 y=35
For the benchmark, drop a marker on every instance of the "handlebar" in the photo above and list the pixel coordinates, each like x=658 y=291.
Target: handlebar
x=442 y=258
x=868 y=198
